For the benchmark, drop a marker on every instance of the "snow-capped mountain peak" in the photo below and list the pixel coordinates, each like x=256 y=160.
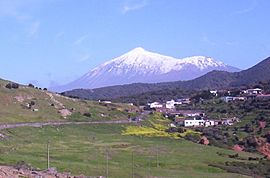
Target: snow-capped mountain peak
x=140 y=65
x=141 y=59
x=202 y=62
x=137 y=51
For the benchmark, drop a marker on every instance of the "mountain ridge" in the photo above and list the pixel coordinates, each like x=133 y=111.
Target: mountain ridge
x=212 y=80
x=141 y=66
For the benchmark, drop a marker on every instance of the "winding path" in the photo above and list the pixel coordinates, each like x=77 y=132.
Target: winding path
x=40 y=124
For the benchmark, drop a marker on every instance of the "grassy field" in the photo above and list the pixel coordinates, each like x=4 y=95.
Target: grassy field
x=83 y=150
x=13 y=107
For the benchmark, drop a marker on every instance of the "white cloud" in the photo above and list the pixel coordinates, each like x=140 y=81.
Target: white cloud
x=133 y=5
x=80 y=40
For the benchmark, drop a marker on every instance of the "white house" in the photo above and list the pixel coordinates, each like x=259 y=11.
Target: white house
x=155 y=105
x=107 y=102
x=194 y=122
x=209 y=123
x=184 y=100
x=255 y=91
x=240 y=98
x=171 y=104
x=227 y=98
x=231 y=98
x=191 y=113
x=214 y=92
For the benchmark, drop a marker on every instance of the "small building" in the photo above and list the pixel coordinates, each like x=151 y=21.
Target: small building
x=255 y=91
x=214 y=92
x=171 y=104
x=106 y=102
x=209 y=123
x=240 y=98
x=172 y=125
x=191 y=113
x=194 y=122
x=227 y=99
x=184 y=100
x=155 y=105
x=179 y=121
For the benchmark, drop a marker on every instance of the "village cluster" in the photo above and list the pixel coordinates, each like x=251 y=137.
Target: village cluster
x=255 y=93
x=198 y=118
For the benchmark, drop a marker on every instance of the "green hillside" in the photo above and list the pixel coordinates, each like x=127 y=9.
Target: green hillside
x=93 y=149
x=27 y=104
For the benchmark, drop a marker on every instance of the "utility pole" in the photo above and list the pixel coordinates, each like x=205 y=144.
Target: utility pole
x=132 y=164
x=107 y=163
x=149 y=165
x=48 y=154
x=157 y=157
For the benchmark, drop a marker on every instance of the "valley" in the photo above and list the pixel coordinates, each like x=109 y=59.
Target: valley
x=103 y=138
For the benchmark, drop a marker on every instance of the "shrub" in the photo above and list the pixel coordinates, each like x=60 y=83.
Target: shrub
x=12 y=85
x=87 y=114
x=31 y=85
x=8 y=86
x=193 y=137
x=15 y=85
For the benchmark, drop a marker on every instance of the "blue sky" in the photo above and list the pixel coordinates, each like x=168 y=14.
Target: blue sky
x=55 y=41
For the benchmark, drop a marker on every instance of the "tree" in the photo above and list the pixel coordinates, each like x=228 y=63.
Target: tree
x=8 y=86
x=12 y=85
x=15 y=85
x=31 y=85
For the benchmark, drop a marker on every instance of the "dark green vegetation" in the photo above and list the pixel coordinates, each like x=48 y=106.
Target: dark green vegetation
x=83 y=150
x=251 y=134
x=212 y=80
x=262 y=169
x=254 y=117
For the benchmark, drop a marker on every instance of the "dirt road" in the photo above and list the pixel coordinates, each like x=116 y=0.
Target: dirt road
x=40 y=124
